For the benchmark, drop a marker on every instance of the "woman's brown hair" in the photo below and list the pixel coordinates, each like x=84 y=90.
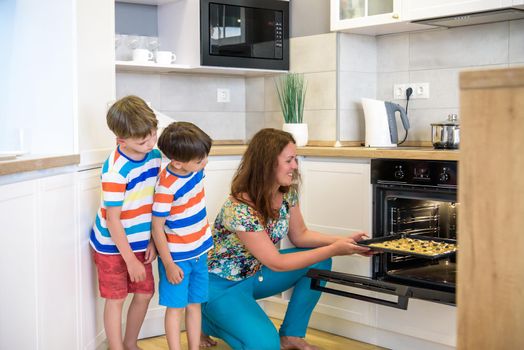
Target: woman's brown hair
x=255 y=175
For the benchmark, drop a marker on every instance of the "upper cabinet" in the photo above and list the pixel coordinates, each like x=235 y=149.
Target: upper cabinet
x=375 y=17
x=421 y=9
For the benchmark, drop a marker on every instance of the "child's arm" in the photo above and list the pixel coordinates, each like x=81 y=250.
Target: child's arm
x=135 y=268
x=173 y=272
x=150 y=253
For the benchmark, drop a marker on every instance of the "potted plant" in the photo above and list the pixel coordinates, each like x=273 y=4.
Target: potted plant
x=291 y=89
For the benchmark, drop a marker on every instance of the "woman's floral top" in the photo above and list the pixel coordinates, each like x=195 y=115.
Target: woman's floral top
x=229 y=258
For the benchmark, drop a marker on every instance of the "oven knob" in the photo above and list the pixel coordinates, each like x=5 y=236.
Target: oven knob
x=444 y=176
x=399 y=173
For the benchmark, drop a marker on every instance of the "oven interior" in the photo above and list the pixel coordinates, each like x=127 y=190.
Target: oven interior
x=410 y=214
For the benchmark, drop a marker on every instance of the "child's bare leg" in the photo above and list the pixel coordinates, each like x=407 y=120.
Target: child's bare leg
x=193 y=326
x=113 y=323
x=135 y=317
x=172 y=325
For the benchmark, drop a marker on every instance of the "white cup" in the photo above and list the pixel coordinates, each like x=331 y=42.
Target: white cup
x=142 y=55
x=165 y=57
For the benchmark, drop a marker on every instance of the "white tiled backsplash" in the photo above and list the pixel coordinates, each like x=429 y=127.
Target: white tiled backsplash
x=367 y=67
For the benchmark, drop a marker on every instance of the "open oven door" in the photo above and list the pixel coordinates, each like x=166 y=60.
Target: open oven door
x=402 y=291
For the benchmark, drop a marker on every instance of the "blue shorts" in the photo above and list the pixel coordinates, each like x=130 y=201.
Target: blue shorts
x=192 y=289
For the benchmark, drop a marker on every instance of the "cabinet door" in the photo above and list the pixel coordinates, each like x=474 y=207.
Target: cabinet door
x=348 y=14
x=219 y=173
x=57 y=264
x=421 y=9
x=336 y=199
x=18 y=260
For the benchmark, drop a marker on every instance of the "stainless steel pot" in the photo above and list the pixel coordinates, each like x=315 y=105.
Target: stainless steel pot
x=446 y=135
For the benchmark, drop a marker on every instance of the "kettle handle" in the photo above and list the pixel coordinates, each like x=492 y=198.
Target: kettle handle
x=391 y=109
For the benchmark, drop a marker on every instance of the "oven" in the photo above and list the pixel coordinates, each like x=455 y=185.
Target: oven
x=415 y=198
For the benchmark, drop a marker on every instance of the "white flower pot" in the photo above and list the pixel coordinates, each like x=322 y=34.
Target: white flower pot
x=299 y=132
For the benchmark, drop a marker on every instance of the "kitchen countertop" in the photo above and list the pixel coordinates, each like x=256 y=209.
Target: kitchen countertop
x=427 y=153
x=36 y=162
x=41 y=162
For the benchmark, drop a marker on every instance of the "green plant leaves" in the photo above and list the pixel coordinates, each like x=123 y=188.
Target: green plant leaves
x=291 y=90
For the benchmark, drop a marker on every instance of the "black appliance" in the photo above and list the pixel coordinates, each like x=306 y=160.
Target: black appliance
x=245 y=33
x=410 y=197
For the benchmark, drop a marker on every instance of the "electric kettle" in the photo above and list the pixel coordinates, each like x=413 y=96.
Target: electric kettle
x=381 y=124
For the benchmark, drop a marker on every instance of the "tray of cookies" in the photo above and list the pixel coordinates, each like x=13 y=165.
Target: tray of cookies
x=414 y=245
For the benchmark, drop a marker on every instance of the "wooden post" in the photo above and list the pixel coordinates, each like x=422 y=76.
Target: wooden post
x=490 y=285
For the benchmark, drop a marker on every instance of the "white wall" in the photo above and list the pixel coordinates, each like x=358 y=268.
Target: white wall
x=38 y=74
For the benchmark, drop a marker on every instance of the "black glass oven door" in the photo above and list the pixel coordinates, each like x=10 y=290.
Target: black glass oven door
x=404 y=292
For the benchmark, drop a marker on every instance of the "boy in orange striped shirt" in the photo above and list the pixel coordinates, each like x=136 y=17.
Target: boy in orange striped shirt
x=181 y=230
x=120 y=237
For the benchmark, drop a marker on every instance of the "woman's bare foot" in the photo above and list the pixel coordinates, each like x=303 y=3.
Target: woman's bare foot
x=288 y=343
x=206 y=341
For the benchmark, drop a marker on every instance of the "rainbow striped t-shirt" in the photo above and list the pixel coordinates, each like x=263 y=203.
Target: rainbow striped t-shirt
x=128 y=184
x=181 y=200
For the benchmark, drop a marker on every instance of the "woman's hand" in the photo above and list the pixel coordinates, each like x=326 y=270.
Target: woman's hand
x=359 y=236
x=347 y=246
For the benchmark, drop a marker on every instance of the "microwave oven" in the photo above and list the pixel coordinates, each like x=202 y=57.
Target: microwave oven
x=245 y=34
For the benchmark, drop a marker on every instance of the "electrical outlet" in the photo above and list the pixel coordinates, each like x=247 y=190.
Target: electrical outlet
x=420 y=90
x=223 y=96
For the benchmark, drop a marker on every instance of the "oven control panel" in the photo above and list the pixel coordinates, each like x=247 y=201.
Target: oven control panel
x=414 y=172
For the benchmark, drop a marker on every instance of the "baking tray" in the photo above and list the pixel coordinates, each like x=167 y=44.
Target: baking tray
x=367 y=242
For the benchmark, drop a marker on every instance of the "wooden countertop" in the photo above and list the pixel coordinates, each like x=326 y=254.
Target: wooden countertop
x=427 y=153
x=37 y=162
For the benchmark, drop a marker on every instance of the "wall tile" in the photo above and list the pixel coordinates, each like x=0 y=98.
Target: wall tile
x=516 y=41
x=358 y=53
x=316 y=53
x=255 y=94
x=254 y=122
x=420 y=122
x=321 y=90
x=352 y=125
x=273 y=120
x=145 y=86
x=393 y=53
x=460 y=47
x=216 y=124
x=355 y=85
x=322 y=124
x=187 y=92
x=271 y=103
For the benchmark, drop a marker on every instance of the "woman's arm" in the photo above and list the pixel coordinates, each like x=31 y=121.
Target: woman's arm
x=302 y=237
x=259 y=244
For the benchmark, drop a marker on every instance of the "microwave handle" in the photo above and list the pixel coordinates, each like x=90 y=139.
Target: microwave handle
x=403 y=292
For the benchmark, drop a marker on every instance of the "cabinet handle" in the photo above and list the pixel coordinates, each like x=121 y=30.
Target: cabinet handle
x=395 y=16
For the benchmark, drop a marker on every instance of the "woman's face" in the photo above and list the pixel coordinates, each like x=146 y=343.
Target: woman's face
x=287 y=165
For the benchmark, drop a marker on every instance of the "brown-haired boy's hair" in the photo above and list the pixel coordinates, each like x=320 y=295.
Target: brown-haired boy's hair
x=131 y=117
x=255 y=175
x=183 y=142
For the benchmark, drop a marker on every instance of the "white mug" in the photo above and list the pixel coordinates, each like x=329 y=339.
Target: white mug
x=165 y=57
x=142 y=55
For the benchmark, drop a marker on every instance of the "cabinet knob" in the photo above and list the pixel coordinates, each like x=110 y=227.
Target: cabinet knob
x=395 y=16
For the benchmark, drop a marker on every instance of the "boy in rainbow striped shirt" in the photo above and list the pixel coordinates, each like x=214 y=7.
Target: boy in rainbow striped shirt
x=120 y=237
x=181 y=231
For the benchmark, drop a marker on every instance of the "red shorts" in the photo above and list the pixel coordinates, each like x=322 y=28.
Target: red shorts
x=113 y=279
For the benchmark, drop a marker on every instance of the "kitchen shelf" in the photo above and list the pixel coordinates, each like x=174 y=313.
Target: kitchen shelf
x=152 y=67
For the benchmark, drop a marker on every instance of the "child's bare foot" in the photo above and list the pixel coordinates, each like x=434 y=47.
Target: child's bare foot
x=131 y=347
x=206 y=341
x=288 y=343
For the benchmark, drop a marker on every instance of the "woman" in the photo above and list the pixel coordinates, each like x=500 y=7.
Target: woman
x=245 y=265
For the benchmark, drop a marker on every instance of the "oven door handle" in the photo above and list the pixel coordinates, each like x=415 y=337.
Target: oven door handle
x=403 y=292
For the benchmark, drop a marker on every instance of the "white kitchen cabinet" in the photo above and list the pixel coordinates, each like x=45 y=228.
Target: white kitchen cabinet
x=39 y=294
x=219 y=173
x=421 y=9
x=347 y=14
x=336 y=199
